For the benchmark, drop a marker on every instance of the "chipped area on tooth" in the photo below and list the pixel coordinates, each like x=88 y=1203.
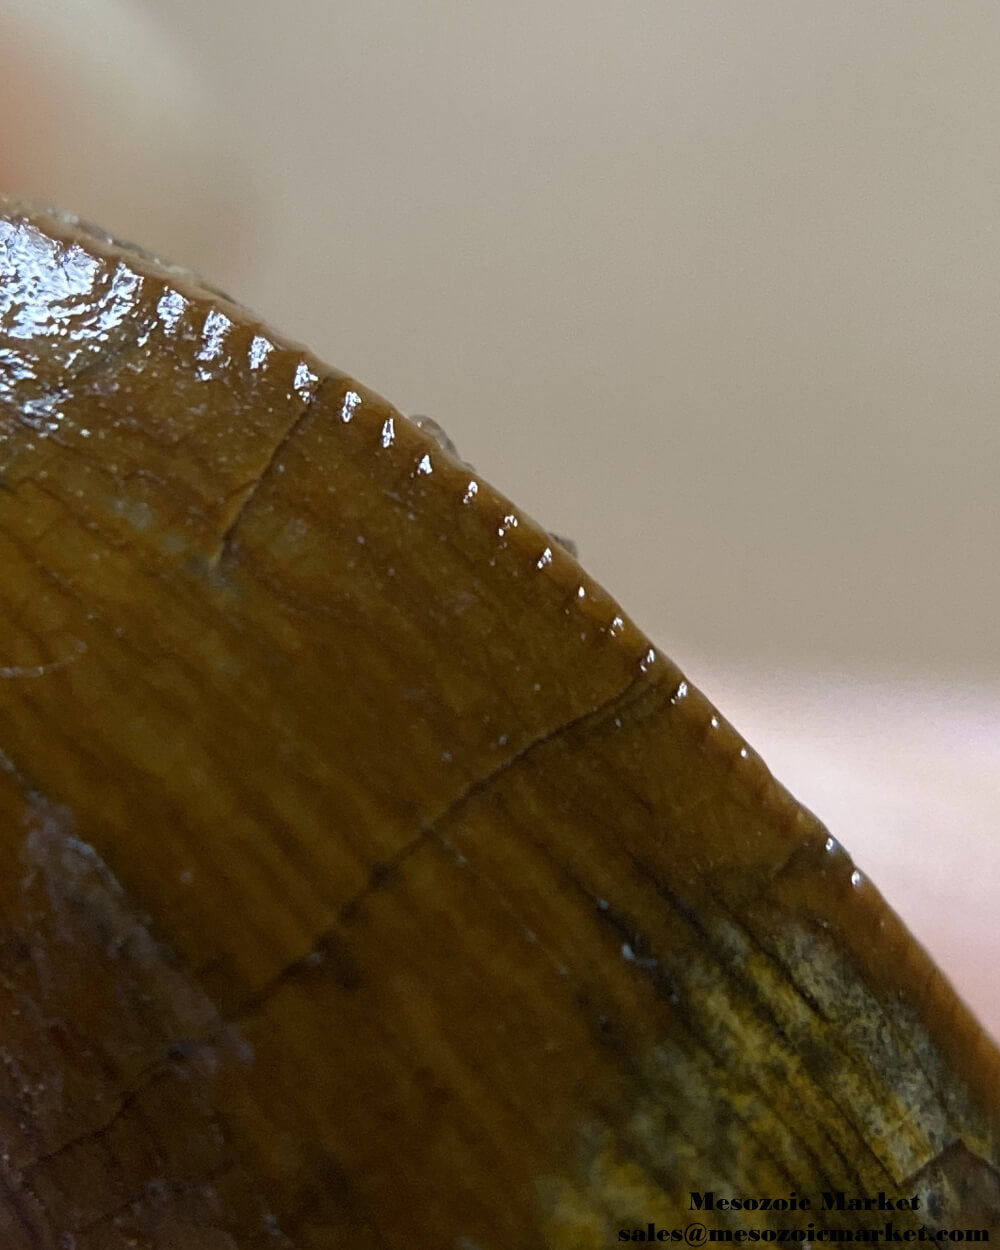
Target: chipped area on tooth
x=680 y=693
x=471 y=491
x=544 y=559
x=425 y=467
x=388 y=432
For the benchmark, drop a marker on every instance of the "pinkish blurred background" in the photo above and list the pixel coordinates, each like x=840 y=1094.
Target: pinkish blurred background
x=714 y=289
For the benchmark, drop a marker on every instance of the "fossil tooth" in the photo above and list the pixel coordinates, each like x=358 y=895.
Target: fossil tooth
x=370 y=879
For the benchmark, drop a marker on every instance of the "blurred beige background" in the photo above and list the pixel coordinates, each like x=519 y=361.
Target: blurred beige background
x=713 y=288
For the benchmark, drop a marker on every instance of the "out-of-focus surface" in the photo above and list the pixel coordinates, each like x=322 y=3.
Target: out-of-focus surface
x=105 y=113
x=713 y=290
x=907 y=774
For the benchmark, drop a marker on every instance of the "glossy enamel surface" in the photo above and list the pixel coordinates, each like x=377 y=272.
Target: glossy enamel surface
x=372 y=880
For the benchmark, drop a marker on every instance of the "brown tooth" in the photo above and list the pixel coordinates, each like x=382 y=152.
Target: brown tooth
x=370 y=879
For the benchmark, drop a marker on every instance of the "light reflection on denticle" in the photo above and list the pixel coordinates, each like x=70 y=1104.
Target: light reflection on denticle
x=351 y=401
x=217 y=326
x=260 y=349
x=305 y=380
x=170 y=308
